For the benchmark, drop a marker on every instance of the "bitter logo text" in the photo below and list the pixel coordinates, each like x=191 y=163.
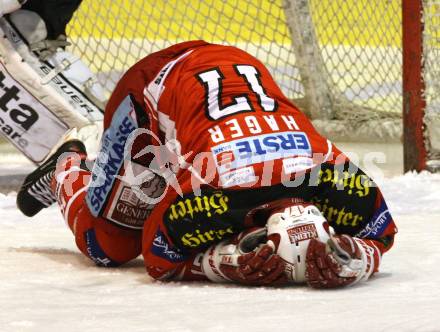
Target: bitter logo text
x=215 y=204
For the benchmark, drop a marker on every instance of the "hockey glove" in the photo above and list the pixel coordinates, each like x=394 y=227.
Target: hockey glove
x=8 y=6
x=248 y=258
x=342 y=261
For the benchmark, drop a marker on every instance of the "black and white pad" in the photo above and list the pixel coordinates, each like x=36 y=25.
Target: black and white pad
x=39 y=103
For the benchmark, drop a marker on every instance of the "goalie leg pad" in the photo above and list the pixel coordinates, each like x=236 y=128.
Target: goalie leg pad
x=35 y=115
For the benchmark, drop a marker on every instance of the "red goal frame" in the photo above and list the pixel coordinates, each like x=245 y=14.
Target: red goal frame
x=414 y=148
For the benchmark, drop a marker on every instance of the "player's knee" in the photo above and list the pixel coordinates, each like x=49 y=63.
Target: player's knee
x=106 y=244
x=95 y=252
x=122 y=245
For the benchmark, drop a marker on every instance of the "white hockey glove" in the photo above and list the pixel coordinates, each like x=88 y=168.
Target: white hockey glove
x=248 y=258
x=8 y=6
x=342 y=261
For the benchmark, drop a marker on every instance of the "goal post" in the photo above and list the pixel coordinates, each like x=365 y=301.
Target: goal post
x=421 y=83
x=351 y=65
x=312 y=70
x=414 y=104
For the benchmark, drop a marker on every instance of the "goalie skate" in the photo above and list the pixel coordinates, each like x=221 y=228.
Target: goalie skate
x=35 y=192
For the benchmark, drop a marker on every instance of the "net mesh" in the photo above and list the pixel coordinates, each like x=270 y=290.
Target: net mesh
x=431 y=76
x=359 y=42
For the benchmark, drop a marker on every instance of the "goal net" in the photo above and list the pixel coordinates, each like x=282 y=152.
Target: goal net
x=339 y=60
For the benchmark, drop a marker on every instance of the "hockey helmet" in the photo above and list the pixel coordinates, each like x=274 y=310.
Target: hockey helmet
x=291 y=228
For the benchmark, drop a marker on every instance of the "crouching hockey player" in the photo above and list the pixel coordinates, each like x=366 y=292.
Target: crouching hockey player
x=44 y=90
x=213 y=174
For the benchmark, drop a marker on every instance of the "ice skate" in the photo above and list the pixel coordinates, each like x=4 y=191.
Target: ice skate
x=35 y=192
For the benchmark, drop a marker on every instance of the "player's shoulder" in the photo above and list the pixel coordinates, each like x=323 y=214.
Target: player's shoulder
x=167 y=54
x=222 y=54
x=148 y=67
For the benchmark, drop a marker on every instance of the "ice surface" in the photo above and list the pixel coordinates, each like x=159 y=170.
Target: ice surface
x=47 y=285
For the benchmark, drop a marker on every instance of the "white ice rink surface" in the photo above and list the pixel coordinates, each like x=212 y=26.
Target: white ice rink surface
x=47 y=285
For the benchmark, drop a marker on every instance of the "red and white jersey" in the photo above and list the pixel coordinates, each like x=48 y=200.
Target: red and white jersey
x=222 y=110
x=228 y=142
